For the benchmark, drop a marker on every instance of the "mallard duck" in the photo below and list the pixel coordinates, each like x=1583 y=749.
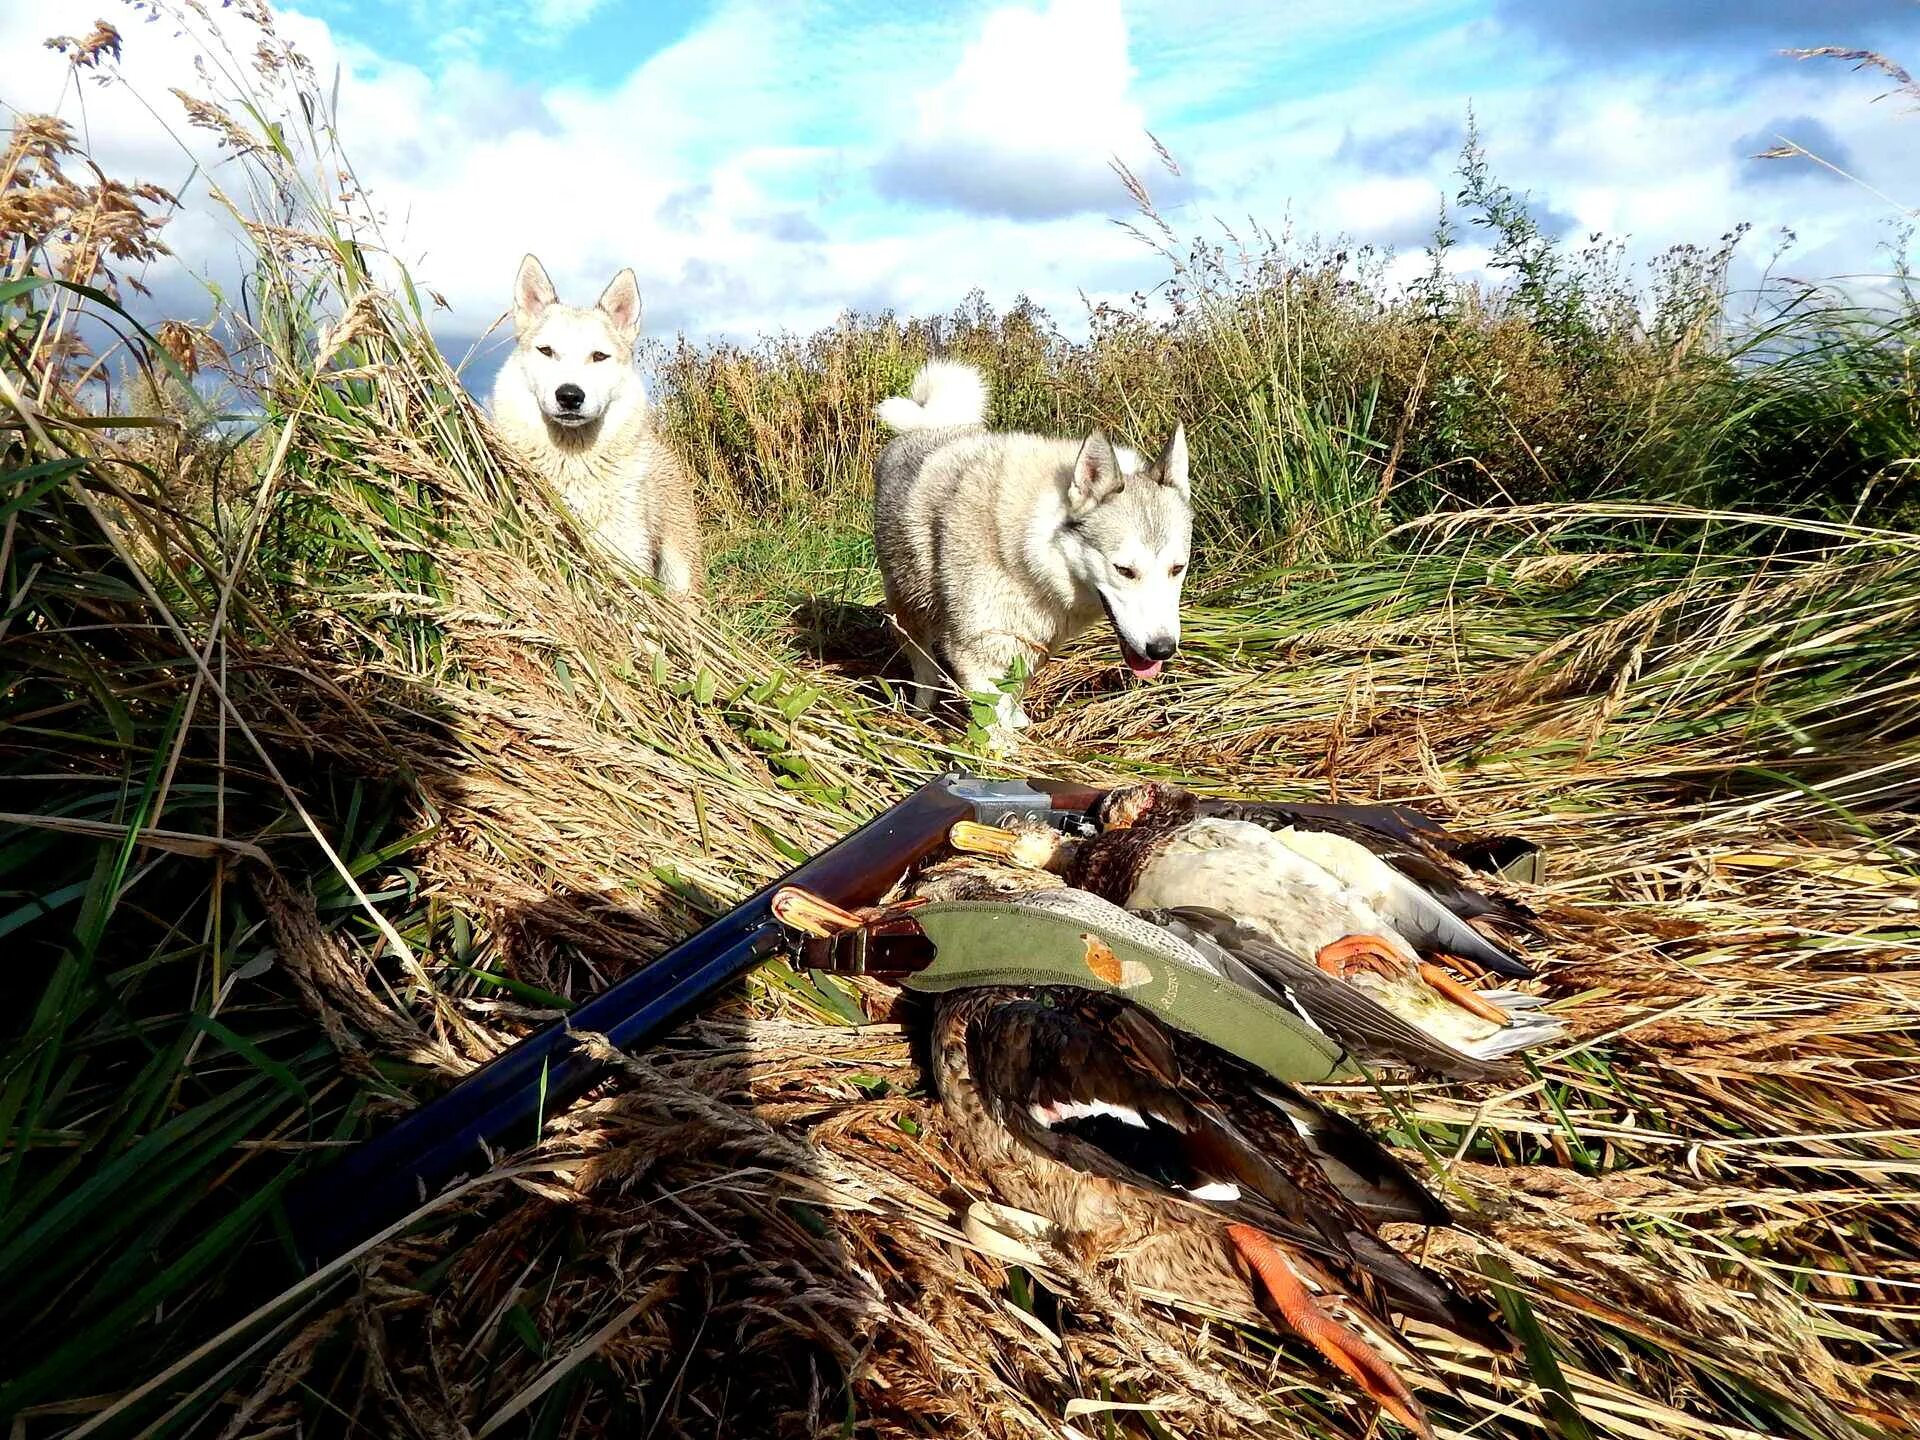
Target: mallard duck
x=1206 y=1177
x=1263 y=881
x=1418 y=848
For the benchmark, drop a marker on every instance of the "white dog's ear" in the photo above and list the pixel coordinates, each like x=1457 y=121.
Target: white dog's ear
x=1171 y=467
x=621 y=302
x=1096 y=476
x=532 y=293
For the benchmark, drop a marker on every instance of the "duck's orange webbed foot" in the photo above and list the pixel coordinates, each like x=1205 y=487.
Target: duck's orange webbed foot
x=1351 y=954
x=1461 y=995
x=1343 y=1346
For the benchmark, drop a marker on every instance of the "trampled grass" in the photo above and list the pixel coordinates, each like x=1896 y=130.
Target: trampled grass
x=329 y=780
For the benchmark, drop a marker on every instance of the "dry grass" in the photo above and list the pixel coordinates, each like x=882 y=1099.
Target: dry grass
x=489 y=774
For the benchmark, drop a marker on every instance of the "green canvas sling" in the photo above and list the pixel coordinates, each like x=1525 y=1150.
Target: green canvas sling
x=989 y=942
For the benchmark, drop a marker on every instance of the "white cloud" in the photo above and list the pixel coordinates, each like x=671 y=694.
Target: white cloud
x=560 y=17
x=709 y=169
x=735 y=169
x=1386 y=209
x=1647 y=155
x=1031 y=118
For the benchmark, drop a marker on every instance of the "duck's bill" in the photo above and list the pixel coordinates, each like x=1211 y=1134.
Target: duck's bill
x=1030 y=848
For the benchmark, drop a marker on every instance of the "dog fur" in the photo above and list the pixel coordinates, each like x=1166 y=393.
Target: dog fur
x=571 y=402
x=999 y=547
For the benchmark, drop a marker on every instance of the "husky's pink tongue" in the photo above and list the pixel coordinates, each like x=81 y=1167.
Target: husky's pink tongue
x=1142 y=668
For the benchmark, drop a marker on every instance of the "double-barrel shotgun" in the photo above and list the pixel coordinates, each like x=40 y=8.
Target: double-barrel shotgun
x=382 y=1180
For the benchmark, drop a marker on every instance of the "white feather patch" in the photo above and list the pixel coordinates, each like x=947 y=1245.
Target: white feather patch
x=1051 y=1115
x=1220 y=1190
x=1300 y=1010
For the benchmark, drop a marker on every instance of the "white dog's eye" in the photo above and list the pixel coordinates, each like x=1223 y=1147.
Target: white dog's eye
x=1177 y=570
x=546 y=350
x=1126 y=572
x=599 y=355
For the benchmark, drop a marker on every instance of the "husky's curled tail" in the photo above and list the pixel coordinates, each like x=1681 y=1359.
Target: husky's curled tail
x=946 y=396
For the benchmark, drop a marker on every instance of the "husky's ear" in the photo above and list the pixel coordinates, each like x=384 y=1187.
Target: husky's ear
x=1171 y=467
x=1097 y=476
x=532 y=293
x=621 y=303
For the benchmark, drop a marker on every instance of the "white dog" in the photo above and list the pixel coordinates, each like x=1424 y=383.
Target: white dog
x=573 y=404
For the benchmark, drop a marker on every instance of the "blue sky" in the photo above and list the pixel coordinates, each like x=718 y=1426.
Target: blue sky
x=766 y=164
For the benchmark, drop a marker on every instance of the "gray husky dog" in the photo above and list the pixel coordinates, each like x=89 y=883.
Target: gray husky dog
x=997 y=548
x=573 y=404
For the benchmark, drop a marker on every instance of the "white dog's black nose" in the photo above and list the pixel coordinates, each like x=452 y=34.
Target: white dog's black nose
x=569 y=397
x=1161 y=647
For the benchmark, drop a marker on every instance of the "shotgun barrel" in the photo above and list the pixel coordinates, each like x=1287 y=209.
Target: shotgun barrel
x=501 y=1104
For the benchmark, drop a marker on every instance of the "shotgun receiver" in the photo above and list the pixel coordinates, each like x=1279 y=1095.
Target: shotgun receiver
x=385 y=1178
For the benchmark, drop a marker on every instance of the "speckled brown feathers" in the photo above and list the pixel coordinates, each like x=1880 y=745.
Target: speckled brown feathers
x=1136 y=1140
x=1109 y=864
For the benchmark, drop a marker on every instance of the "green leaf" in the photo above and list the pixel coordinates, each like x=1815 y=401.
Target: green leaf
x=520 y=989
x=1542 y=1363
x=518 y=1322
x=254 y=1056
x=837 y=998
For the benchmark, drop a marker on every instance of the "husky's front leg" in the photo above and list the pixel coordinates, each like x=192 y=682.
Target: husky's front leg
x=928 y=681
x=983 y=666
x=673 y=568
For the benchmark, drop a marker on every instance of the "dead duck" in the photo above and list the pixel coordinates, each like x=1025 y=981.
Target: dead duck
x=1260 y=881
x=1418 y=848
x=1204 y=1176
x=1373 y=1034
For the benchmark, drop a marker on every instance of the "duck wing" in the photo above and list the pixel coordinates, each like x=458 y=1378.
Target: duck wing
x=1157 y=804
x=1098 y=1085
x=1104 y=1089
x=1414 y=911
x=1397 y=823
x=1428 y=865
x=1419 y=847
x=1425 y=854
x=1248 y=871
x=1347 y=1013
